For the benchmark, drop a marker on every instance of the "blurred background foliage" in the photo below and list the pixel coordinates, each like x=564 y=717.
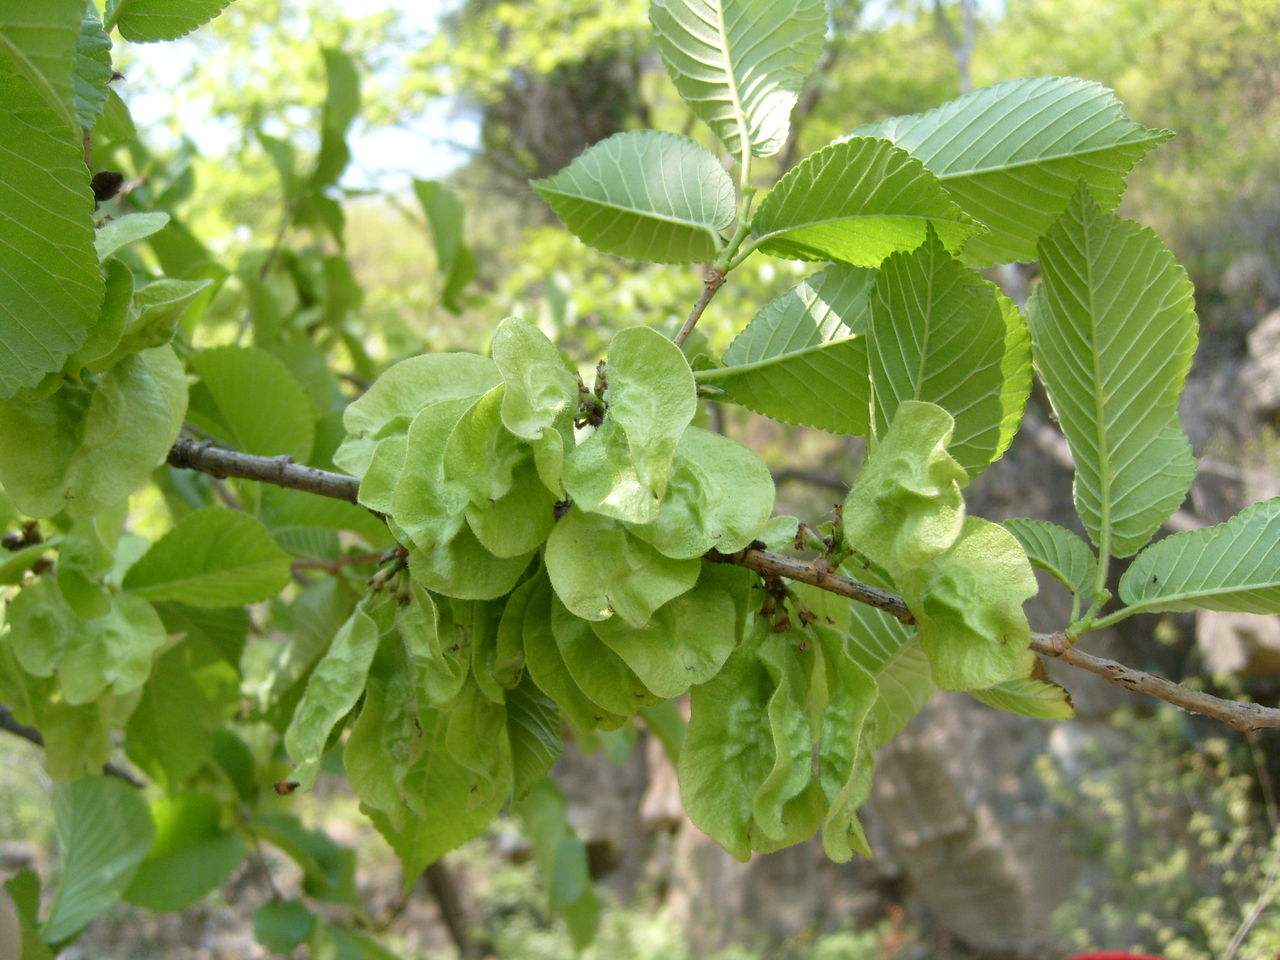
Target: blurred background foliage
x=1174 y=847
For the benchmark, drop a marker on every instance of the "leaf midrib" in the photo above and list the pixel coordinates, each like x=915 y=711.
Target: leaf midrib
x=709 y=229
x=1190 y=596
x=1156 y=136
x=739 y=115
x=762 y=238
x=221 y=572
x=1104 y=451
x=724 y=373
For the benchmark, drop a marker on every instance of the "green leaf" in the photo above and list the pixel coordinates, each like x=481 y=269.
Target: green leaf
x=388 y=407
x=454 y=259
x=685 y=643
x=720 y=496
x=191 y=693
x=92 y=71
x=332 y=690
x=519 y=521
x=112 y=651
x=533 y=726
x=541 y=386
x=740 y=64
x=100 y=442
x=803 y=358
x=212 y=558
x=39 y=41
x=113 y=315
x=452 y=813
x=310 y=623
x=77 y=739
x=282 y=925
x=622 y=470
x=437 y=645
x=548 y=670
x=341 y=105
x=428 y=507
x=905 y=507
x=728 y=750
x=508 y=642
x=857 y=201
x=906 y=684
x=845 y=742
x=786 y=803
x=328 y=869
x=598 y=569
x=1010 y=155
x=154 y=315
x=644 y=195
x=50 y=283
x=119 y=232
x=1058 y=552
x=385 y=740
x=1232 y=566
x=1113 y=328
x=22 y=936
x=146 y=21
x=248 y=399
x=1029 y=698
x=307 y=524
x=193 y=854
x=968 y=604
x=465 y=570
x=561 y=858
x=103 y=831
x=598 y=672
x=942 y=334
x=481 y=455
x=477 y=740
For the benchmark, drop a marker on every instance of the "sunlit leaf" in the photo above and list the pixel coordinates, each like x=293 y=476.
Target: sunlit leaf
x=740 y=64
x=1113 y=327
x=803 y=358
x=1010 y=154
x=857 y=201
x=1232 y=566
x=644 y=195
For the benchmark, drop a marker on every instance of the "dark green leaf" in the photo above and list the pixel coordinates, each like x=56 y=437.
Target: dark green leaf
x=193 y=854
x=213 y=558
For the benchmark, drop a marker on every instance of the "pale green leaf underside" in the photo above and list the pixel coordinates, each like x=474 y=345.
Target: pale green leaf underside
x=1028 y=697
x=119 y=232
x=1010 y=155
x=803 y=358
x=942 y=334
x=887 y=650
x=1057 y=551
x=103 y=830
x=50 y=284
x=645 y=195
x=740 y=64
x=1232 y=566
x=145 y=21
x=857 y=202
x=1113 y=328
